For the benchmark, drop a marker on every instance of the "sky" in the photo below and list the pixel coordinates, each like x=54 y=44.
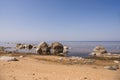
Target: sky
x=63 y=20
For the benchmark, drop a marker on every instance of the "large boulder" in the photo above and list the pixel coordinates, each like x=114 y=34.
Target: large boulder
x=29 y=46
x=99 y=50
x=56 y=48
x=43 y=48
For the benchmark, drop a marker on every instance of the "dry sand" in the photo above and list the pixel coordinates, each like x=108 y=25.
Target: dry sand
x=33 y=68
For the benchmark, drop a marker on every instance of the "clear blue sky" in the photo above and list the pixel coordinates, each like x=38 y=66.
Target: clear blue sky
x=69 y=20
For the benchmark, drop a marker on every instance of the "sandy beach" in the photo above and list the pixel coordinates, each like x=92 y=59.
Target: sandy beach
x=35 y=67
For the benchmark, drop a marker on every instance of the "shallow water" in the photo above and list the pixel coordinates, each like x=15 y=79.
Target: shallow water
x=78 y=48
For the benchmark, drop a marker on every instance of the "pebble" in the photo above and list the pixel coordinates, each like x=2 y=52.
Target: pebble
x=117 y=62
x=21 y=56
x=85 y=77
x=60 y=59
x=33 y=74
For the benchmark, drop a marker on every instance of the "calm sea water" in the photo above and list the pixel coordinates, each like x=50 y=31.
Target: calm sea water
x=78 y=48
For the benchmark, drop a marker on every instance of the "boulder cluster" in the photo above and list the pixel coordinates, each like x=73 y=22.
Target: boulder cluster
x=24 y=46
x=55 y=48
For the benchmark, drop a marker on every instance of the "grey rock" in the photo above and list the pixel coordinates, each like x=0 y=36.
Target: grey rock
x=8 y=58
x=110 y=68
x=43 y=48
x=56 y=48
x=114 y=67
x=99 y=50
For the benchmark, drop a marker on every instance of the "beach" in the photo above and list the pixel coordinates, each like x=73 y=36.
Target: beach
x=45 y=67
x=59 y=40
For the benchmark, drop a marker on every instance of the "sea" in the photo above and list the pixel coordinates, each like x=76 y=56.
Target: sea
x=77 y=48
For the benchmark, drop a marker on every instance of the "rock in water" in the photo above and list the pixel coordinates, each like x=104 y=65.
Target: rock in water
x=8 y=58
x=99 y=50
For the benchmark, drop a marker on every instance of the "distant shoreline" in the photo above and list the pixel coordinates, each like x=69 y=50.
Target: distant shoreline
x=55 y=41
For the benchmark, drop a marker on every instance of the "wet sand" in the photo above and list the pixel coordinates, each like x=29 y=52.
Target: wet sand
x=35 y=67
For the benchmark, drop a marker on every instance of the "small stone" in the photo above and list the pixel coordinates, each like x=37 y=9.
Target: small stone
x=60 y=59
x=33 y=74
x=94 y=67
x=114 y=67
x=85 y=77
x=107 y=67
x=14 y=78
x=117 y=62
x=21 y=56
